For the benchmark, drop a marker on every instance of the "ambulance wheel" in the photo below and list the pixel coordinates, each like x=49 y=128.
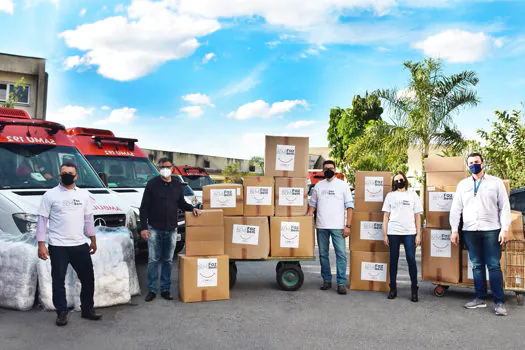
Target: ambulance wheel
x=439 y=291
x=179 y=247
x=290 y=277
x=519 y=298
x=233 y=274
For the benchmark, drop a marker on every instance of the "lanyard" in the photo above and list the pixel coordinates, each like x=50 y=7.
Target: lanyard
x=476 y=186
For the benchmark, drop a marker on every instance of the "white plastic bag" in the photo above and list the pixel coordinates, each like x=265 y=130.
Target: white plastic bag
x=45 y=285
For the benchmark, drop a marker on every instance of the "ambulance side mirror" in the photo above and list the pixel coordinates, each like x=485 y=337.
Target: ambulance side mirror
x=104 y=178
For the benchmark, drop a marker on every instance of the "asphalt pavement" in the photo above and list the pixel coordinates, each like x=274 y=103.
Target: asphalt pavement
x=261 y=316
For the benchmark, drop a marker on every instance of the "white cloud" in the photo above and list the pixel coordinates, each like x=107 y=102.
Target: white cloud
x=75 y=61
x=406 y=94
x=247 y=83
x=192 y=111
x=120 y=8
x=120 y=116
x=128 y=47
x=82 y=12
x=198 y=99
x=208 y=57
x=301 y=124
x=261 y=109
x=71 y=115
x=105 y=108
x=273 y=44
x=7 y=6
x=459 y=46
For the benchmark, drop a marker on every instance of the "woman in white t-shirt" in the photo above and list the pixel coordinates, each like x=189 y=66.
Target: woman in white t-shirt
x=402 y=224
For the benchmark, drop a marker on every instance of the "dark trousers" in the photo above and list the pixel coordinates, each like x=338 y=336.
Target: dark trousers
x=80 y=260
x=409 y=241
x=485 y=250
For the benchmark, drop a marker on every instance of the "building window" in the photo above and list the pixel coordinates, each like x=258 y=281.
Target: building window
x=7 y=89
x=252 y=168
x=206 y=163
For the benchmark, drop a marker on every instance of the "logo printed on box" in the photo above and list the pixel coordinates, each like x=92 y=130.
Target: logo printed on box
x=291 y=197
x=440 y=201
x=207 y=272
x=245 y=234
x=290 y=234
x=259 y=195
x=373 y=271
x=285 y=158
x=223 y=198
x=371 y=231
x=373 y=189
x=440 y=244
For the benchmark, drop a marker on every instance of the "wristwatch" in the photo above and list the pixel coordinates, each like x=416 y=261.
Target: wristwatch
x=348 y=226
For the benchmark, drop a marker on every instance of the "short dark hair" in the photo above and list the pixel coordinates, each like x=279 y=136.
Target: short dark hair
x=404 y=178
x=164 y=160
x=476 y=154
x=69 y=165
x=329 y=161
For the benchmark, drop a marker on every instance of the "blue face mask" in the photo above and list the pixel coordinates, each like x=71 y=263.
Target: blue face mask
x=475 y=168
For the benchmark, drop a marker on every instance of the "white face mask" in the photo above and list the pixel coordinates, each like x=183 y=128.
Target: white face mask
x=165 y=173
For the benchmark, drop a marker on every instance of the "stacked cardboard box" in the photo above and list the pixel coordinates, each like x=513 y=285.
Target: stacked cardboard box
x=291 y=232
x=228 y=197
x=204 y=269
x=369 y=257
x=441 y=260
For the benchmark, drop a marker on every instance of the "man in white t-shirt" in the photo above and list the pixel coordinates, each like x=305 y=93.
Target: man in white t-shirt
x=331 y=198
x=69 y=212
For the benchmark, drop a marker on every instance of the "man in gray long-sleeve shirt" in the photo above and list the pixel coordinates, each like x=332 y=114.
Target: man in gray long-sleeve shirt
x=69 y=212
x=483 y=201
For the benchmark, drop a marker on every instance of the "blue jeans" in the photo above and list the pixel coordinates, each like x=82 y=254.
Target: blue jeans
x=409 y=242
x=323 y=241
x=161 y=244
x=484 y=249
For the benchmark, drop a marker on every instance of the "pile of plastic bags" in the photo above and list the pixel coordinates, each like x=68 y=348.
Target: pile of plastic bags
x=18 y=271
x=116 y=278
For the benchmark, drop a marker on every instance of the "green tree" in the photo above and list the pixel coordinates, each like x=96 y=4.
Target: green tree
x=504 y=149
x=422 y=114
x=258 y=162
x=14 y=96
x=233 y=173
x=347 y=124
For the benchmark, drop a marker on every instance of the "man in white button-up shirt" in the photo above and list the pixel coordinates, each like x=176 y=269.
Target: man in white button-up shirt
x=483 y=201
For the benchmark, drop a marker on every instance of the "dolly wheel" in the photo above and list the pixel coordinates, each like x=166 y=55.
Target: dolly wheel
x=290 y=277
x=519 y=298
x=233 y=274
x=439 y=291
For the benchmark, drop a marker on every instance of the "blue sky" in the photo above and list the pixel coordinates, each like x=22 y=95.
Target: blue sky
x=213 y=77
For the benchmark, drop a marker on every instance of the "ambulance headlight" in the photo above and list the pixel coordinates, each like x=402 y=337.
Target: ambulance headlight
x=26 y=223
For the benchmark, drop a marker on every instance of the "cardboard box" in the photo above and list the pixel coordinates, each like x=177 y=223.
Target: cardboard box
x=516 y=226
x=370 y=271
x=209 y=217
x=204 y=240
x=445 y=178
x=438 y=164
x=438 y=202
x=366 y=234
x=514 y=270
x=286 y=156
x=204 y=278
x=440 y=259
x=228 y=197
x=246 y=237
x=292 y=237
x=371 y=188
x=467 y=276
x=258 y=196
x=291 y=196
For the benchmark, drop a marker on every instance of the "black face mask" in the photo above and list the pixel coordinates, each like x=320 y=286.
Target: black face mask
x=68 y=179
x=400 y=184
x=328 y=174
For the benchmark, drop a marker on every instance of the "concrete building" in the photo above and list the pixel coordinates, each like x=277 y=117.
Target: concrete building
x=212 y=164
x=32 y=99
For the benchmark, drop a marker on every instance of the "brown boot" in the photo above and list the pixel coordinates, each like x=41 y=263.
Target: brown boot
x=326 y=286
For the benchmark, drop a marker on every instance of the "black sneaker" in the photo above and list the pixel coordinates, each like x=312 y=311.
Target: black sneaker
x=326 y=286
x=341 y=289
x=62 y=319
x=392 y=294
x=91 y=315
x=166 y=295
x=150 y=296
